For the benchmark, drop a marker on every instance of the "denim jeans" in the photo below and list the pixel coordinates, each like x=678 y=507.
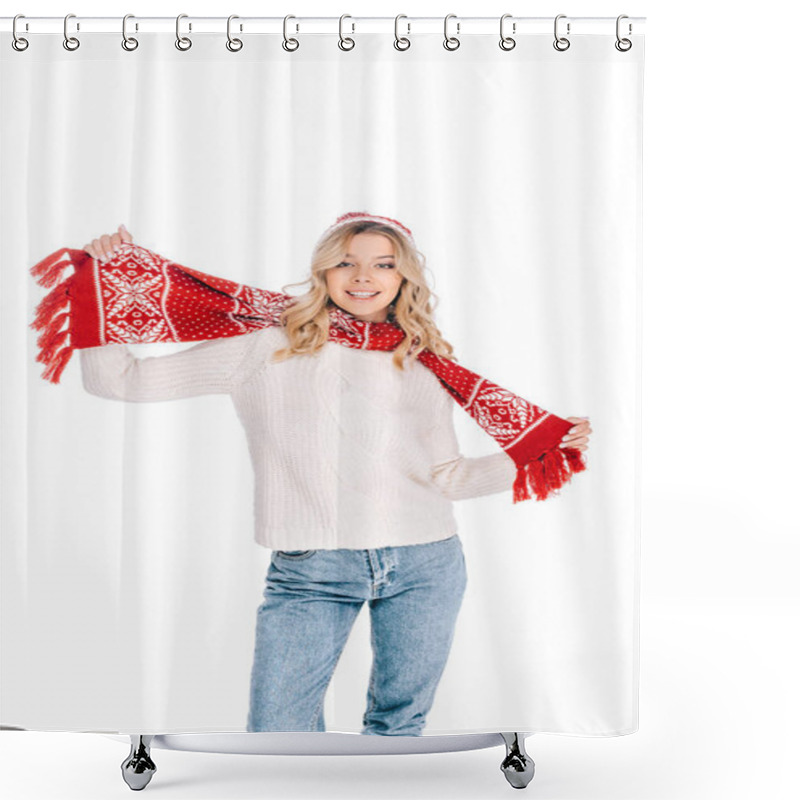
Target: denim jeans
x=312 y=598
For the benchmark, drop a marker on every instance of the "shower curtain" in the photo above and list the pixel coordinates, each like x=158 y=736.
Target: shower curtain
x=132 y=566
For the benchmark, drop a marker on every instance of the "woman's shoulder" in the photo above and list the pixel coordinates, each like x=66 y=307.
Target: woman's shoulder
x=271 y=332
x=257 y=343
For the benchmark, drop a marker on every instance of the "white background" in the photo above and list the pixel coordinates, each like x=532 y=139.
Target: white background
x=719 y=617
x=537 y=224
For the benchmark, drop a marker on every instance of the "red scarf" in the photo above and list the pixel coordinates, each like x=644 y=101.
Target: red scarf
x=139 y=296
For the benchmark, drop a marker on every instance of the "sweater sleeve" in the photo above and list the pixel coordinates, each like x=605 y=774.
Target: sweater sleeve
x=458 y=477
x=212 y=367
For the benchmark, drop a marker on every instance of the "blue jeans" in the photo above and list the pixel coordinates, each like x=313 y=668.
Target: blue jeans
x=312 y=599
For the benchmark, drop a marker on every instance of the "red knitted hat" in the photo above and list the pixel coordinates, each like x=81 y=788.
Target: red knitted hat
x=353 y=216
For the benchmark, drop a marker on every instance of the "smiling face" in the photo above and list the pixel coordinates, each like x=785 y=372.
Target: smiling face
x=366 y=280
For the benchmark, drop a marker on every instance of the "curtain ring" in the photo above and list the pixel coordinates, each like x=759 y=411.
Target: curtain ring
x=401 y=43
x=506 y=42
x=623 y=45
x=182 y=42
x=351 y=43
x=451 y=42
x=70 y=42
x=286 y=42
x=234 y=45
x=128 y=43
x=560 y=40
x=17 y=41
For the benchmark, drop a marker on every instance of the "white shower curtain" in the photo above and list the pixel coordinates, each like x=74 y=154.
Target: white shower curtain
x=130 y=571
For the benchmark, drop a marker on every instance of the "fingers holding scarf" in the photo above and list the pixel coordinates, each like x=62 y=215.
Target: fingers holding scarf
x=578 y=436
x=104 y=247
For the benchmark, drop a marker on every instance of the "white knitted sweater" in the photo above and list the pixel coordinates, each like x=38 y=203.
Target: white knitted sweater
x=348 y=450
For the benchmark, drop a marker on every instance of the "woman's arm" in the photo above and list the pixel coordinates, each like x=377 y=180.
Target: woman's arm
x=112 y=371
x=462 y=478
x=459 y=478
x=212 y=367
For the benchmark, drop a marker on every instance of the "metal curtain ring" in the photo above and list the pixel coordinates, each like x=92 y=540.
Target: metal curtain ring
x=70 y=42
x=289 y=44
x=623 y=45
x=506 y=42
x=182 y=42
x=451 y=42
x=234 y=45
x=128 y=43
x=401 y=43
x=560 y=40
x=350 y=42
x=19 y=43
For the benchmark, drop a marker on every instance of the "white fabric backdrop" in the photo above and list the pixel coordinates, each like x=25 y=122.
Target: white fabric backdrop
x=130 y=576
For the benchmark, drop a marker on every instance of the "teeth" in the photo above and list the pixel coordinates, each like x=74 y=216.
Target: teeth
x=363 y=294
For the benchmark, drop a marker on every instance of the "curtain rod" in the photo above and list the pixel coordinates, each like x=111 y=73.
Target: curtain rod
x=310 y=25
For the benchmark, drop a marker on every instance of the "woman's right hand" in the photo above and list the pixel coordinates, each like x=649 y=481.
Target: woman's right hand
x=105 y=246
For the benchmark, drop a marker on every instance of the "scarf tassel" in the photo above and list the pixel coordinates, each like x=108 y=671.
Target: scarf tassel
x=53 y=311
x=546 y=474
x=50 y=270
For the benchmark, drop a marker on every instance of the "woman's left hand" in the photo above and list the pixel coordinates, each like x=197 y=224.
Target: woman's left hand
x=577 y=436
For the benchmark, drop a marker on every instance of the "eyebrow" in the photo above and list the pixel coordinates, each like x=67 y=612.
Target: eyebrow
x=350 y=255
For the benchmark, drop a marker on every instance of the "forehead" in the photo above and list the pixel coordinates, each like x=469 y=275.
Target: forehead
x=367 y=240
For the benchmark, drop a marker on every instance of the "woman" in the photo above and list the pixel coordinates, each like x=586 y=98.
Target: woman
x=356 y=466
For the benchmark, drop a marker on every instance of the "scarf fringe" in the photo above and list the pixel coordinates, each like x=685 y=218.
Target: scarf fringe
x=55 y=349
x=50 y=270
x=547 y=474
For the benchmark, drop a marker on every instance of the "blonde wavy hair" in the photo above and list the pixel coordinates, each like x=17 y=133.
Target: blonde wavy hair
x=306 y=321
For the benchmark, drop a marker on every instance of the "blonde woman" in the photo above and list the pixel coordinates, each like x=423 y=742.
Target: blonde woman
x=356 y=469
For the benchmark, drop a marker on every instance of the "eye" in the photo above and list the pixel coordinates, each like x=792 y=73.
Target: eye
x=349 y=264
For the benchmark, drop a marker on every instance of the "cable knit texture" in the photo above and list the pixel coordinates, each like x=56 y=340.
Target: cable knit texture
x=348 y=450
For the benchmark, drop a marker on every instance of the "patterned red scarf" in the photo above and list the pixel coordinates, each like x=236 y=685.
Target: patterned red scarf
x=139 y=296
